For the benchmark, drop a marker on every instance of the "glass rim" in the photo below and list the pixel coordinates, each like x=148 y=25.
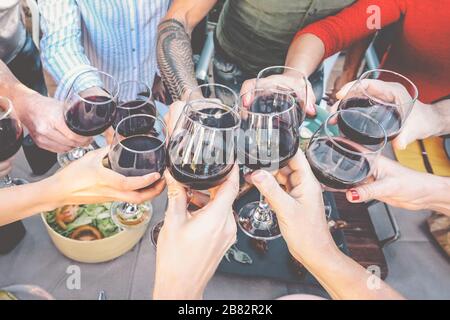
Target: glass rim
x=229 y=110
x=270 y=114
x=137 y=151
x=332 y=138
x=148 y=100
x=279 y=67
x=9 y=109
x=367 y=73
x=236 y=98
x=113 y=96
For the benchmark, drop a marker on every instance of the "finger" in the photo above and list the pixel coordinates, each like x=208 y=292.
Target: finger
x=311 y=103
x=175 y=110
x=366 y=192
x=50 y=144
x=247 y=92
x=67 y=136
x=225 y=194
x=278 y=199
x=177 y=198
x=344 y=90
x=136 y=183
x=151 y=193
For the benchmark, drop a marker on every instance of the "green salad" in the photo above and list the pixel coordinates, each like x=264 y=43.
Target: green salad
x=83 y=222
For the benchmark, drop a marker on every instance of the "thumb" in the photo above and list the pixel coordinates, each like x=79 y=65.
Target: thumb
x=367 y=192
x=278 y=199
x=344 y=90
x=400 y=142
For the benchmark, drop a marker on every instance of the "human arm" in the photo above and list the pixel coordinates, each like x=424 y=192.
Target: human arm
x=323 y=38
x=62 y=53
x=84 y=181
x=174 y=51
x=354 y=56
x=402 y=187
x=192 y=244
x=301 y=215
x=42 y=116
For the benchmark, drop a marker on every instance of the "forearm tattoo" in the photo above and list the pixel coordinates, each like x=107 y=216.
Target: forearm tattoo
x=174 y=54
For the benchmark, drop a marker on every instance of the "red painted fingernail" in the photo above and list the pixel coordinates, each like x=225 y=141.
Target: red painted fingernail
x=355 y=195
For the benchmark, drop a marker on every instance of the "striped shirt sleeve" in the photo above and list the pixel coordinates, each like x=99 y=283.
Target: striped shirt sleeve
x=62 y=53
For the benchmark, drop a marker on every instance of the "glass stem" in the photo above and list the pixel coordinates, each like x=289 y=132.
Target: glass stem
x=130 y=209
x=7 y=181
x=76 y=153
x=263 y=212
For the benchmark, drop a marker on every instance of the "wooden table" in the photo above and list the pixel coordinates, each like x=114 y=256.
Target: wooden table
x=360 y=235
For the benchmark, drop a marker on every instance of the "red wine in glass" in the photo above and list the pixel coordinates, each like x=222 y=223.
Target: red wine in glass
x=203 y=174
x=337 y=164
x=200 y=176
x=260 y=155
x=388 y=116
x=134 y=156
x=11 y=136
x=279 y=140
x=131 y=108
x=91 y=119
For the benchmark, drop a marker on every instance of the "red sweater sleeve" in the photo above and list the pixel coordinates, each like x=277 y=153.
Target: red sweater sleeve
x=354 y=23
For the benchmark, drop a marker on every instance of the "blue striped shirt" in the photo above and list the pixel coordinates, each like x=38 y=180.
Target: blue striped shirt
x=114 y=36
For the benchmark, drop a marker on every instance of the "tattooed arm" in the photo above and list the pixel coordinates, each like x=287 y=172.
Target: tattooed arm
x=174 y=52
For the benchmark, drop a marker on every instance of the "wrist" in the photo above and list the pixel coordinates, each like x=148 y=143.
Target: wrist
x=175 y=288
x=313 y=254
x=55 y=191
x=438 y=190
x=24 y=100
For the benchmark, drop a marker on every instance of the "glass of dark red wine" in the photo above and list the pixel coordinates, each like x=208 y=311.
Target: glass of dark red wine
x=11 y=136
x=90 y=108
x=135 y=97
x=269 y=139
x=202 y=146
x=373 y=93
x=138 y=148
x=342 y=153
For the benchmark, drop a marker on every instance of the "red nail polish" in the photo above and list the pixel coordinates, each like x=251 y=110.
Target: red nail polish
x=355 y=195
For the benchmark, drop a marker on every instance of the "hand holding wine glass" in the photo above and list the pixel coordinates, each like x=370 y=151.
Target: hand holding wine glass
x=402 y=187
x=299 y=208
x=87 y=181
x=343 y=152
x=138 y=148
x=90 y=108
x=284 y=78
x=192 y=244
x=386 y=96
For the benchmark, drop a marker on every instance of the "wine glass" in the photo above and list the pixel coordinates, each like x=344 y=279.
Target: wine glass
x=90 y=108
x=11 y=136
x=342 y=153
x=269 y=139
x=138 y=148
x=135 y=97
x=202 y=147
x=390 y=110
x=289 y=79
x=24 y=292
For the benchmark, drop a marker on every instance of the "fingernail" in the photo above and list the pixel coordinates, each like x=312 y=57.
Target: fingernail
x=355 y=195
x=258 y=176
